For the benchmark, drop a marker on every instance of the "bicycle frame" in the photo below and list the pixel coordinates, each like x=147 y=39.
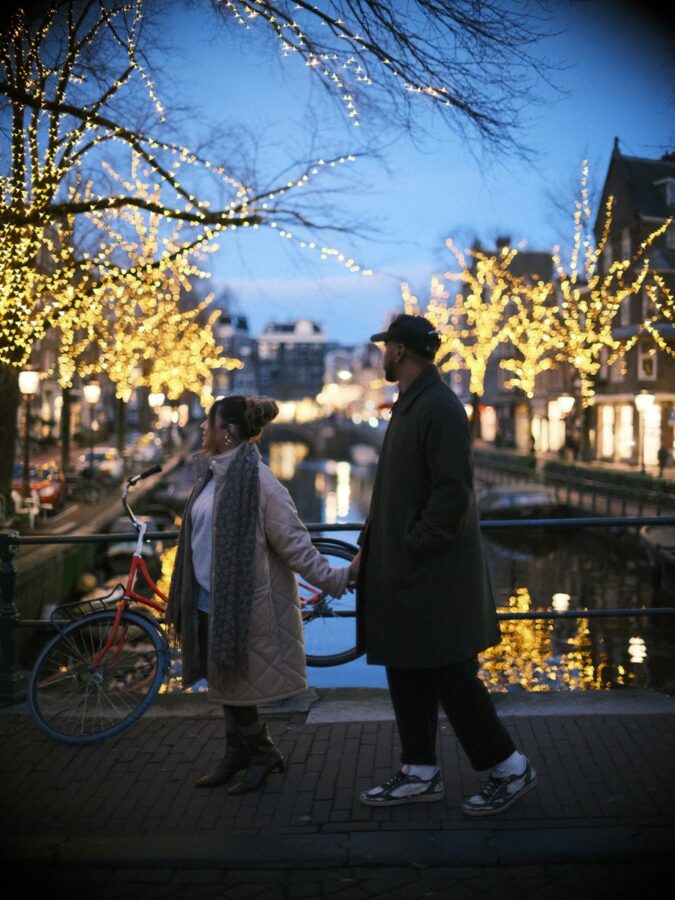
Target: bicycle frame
x=137 y=566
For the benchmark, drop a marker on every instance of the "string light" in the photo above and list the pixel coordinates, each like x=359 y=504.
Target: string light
x=474 y=325
x=590 y=299
x=546 y=323
x=44 y=282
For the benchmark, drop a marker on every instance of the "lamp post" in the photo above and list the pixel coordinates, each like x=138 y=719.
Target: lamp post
x=644 y=402
x=155 y=400
x=28 y=385
x=92 y=394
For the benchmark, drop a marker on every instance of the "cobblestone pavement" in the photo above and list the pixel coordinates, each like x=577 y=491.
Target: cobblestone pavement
x=534 y=882
x=123 y=819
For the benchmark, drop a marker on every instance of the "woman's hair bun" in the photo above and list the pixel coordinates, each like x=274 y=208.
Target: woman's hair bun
x=259 y=411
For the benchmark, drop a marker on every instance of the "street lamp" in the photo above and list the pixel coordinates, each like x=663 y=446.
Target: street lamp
x=644 y=402
x=155 y=400
x=28 y=385
x=565 y=404
x=92 y=394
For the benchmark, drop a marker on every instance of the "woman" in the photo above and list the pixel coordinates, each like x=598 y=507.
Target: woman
x=233 y=594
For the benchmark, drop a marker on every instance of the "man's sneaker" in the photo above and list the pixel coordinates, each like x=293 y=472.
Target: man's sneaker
x=403 y=788
x=498 y=794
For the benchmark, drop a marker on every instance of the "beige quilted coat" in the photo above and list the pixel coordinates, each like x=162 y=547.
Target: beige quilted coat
x=283 y=547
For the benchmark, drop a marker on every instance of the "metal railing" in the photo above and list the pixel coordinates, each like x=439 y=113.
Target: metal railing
x=12 y=688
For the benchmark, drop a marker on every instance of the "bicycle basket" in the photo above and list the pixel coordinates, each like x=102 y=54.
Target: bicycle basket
x=71 y=611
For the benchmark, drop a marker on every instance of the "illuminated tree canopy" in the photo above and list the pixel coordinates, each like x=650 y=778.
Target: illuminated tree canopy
x=590 y=298
x=474 y=324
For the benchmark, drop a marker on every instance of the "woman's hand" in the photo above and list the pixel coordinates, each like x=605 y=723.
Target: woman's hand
x=354 y=569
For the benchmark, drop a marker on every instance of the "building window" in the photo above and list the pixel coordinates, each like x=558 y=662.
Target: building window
x=646 y=304
x=647 y=361
x=626 y=440
x=670 y=192
x=606 y=431
x=607 y=255
x=670 y=237
x=625 y=243
x=624 y=311
x=617 y=371
x=652 y=434
x=556 y=426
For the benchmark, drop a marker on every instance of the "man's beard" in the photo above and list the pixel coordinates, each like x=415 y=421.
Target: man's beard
x=389 y=372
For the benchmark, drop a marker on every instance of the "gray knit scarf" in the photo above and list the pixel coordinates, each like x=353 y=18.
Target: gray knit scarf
x=232 y=589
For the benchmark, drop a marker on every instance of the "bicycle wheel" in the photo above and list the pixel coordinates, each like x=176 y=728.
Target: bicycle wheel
x=78 y=698
x=330 y=622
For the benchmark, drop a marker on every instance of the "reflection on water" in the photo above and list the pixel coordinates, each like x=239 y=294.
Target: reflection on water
x=531 y=570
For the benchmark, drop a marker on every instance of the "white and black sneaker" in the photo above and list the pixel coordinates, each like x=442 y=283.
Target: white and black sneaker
x=499 y=793
x=403 y=788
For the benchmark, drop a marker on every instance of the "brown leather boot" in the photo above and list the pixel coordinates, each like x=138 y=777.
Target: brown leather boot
x=236 y=758
x=264 y=758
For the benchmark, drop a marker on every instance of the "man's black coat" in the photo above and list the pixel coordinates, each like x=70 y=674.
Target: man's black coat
x=424 y=597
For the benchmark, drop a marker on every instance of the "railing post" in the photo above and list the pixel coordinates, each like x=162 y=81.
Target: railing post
x=12 y=681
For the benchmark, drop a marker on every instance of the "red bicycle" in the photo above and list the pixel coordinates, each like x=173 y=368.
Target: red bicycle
x=109 y=658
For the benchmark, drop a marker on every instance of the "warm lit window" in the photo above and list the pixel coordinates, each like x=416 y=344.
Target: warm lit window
x=625 y=432
x=606 y=431
x=617 y=371
x=647 y=361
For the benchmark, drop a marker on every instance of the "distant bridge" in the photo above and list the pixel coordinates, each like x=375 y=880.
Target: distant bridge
x=325 y=438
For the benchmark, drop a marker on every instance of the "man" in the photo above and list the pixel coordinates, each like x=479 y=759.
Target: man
x=425 y=606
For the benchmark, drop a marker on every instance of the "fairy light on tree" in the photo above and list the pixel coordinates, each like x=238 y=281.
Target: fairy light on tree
x=589 y=300
x=473 y=326
x=385 y=57
x=66 y=77
x=134 y=315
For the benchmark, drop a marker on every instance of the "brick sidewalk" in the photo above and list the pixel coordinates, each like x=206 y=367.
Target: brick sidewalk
x=128 y=806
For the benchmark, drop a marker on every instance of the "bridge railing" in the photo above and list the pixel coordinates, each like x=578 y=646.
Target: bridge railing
x=12 y=688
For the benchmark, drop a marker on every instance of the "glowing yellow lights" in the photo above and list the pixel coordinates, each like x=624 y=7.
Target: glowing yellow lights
x=536 y=646
x=474 y=325
x=586 y=317
x=543 y=324
x=48 y=278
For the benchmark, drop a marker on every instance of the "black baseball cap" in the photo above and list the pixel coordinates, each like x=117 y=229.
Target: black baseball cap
x=415 y=332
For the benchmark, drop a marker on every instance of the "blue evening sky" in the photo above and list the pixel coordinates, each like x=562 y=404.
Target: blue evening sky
x=618 y=81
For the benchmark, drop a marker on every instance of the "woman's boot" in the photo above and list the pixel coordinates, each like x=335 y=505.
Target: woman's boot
x=264 y=758
x=237 y=757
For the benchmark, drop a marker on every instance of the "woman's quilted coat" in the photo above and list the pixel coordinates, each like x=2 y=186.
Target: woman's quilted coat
x=283 y=547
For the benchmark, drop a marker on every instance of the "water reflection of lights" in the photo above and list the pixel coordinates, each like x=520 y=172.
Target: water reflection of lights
x=331 y=507
x=285 y=456
x=343 y=488
x=526 y=659
x=637 y=650
x=560 y=602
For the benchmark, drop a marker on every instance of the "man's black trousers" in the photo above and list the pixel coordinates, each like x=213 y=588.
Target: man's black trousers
x=416 y=695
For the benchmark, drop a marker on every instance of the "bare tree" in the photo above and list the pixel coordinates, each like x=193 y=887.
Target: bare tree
x=475 y=61
x=76 y=94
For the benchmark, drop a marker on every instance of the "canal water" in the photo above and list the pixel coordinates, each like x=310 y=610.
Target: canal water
x=531 y=570
x=542 y=570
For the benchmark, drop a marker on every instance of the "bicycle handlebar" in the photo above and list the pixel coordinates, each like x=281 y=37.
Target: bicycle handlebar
x=151 y=471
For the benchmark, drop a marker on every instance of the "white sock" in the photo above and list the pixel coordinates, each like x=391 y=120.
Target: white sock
x=512 y=765
x=426 y=773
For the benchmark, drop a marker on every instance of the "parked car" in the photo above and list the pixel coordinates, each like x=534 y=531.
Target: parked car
x=105 y=461
x=45 y=478
x=147 y=449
